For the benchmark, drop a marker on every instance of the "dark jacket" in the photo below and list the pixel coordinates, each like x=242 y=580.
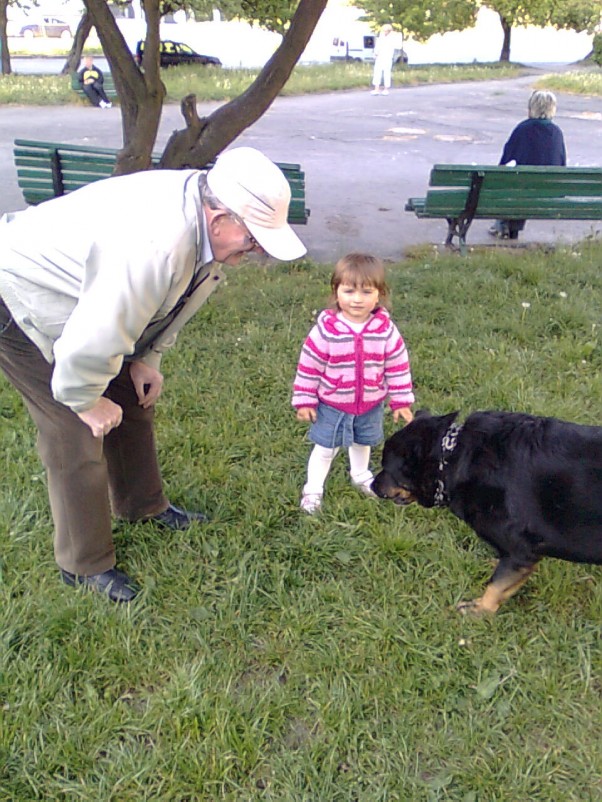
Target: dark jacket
x=94 y=72
x=535 y=142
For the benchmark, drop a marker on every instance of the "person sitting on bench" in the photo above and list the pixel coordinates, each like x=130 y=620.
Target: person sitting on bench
x=536 y=140
x=92 y=82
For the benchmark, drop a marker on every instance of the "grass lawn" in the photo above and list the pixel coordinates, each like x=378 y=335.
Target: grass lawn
x=209 y=84
x=216 y=84
x=587 y=82
x=276 y=656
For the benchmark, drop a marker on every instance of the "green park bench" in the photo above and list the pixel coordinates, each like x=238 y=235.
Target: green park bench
x=108 y=84
x=461 y=193
x=49 y=169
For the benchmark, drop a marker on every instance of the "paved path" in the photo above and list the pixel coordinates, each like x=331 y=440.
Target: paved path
x=363 y=155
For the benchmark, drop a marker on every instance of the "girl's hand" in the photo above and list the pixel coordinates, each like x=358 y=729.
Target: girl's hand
x=403 y=412
x=306 y=414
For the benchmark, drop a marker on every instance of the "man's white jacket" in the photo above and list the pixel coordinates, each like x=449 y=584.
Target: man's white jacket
x=85 y=274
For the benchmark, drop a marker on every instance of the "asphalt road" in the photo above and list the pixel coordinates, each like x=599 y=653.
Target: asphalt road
x=363 y=155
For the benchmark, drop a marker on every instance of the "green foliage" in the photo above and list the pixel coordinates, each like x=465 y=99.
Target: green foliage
x=283 y=658
x=200 y=9
x=419 y=19
x=36 y=90
x=597 y=49
x=275 y=15
x=578 y=15
x=517 y=12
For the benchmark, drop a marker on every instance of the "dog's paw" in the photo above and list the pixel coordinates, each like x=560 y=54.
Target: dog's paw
x=473 y=608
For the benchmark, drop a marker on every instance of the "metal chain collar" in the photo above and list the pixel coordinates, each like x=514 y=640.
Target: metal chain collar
x=448 y=443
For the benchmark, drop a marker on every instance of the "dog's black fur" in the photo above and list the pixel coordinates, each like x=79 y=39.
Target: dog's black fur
x=529 y=486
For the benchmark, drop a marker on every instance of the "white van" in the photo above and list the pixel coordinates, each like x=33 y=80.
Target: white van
x=353 y=47
x=359 y=46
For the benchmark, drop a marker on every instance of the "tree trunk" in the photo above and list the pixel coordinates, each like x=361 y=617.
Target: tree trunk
x=507 y=29
x=74 y=58
x=202 y=139
x=140 y=93
x=4 y=52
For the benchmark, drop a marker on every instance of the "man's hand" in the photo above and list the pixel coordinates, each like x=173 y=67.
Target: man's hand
x=403 y=412
x=104 y=416
x=307 y=414
x=148 y=383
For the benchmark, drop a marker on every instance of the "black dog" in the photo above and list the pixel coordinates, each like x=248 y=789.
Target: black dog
x=529 y=486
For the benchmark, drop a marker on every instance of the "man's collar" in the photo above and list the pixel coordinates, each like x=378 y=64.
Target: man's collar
x=206 y=254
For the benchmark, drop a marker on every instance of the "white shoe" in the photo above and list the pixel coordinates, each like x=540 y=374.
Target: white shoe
x=375 y=92
x=365 y=487
x=385 y=92
x=104 y=105
x=311 y=502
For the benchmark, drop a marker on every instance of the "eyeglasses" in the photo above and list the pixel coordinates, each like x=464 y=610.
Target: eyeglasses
x=254 y=244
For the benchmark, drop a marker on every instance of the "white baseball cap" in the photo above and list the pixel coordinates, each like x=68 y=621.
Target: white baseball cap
x=255 y=189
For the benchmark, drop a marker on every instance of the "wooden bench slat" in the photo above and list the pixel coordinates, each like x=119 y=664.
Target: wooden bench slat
x=41 y=146
x=79 y=177
x=559 y=185
x=79 y=165
x=510 y=212
x=297 y=185
x=491 y=199
x=460 y=174
x=415 y=205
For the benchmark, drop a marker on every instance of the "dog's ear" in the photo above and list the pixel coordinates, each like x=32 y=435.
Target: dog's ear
x=449 y=418
x=426 y=413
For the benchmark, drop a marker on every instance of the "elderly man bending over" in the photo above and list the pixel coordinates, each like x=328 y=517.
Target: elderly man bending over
x=88 y=304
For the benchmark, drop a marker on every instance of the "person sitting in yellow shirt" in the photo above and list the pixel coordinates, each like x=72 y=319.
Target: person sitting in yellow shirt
x=92 y=82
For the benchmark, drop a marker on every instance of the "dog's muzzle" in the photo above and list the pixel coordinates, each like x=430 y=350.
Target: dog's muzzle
x=384 y=488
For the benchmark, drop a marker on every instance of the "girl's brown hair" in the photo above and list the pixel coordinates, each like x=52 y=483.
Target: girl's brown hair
x=360 y=270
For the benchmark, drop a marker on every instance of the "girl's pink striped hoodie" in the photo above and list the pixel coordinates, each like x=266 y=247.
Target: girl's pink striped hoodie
x=352 y=371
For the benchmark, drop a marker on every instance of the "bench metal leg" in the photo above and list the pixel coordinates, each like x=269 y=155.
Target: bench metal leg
x=457 y=227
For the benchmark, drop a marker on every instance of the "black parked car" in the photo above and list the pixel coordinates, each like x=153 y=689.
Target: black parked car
x=173 y=53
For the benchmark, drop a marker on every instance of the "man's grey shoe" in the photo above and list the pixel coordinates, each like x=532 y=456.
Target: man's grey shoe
x=500 y=230
x=175 y=518
x=116 y=585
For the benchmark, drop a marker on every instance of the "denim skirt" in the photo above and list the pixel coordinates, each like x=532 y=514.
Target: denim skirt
x=334 y=428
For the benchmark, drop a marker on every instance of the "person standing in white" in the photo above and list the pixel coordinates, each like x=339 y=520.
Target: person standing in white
x=384 y=52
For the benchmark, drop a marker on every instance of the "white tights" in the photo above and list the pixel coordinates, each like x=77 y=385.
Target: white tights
x=321 y=459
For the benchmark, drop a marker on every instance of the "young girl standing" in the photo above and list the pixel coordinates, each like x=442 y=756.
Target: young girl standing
x=353 y=358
